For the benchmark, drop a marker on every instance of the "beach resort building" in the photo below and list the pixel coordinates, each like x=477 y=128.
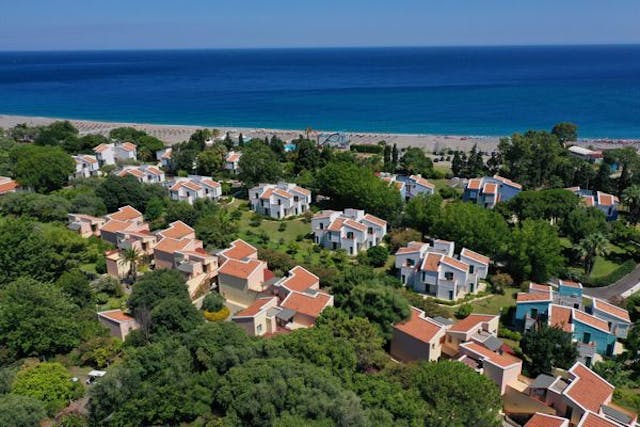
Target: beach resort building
x=7 y=185
x=398 y=181
x=232 y=162
x=259 y=318
x=594 y=328
x=145 y=174
x=416 y=185
x=351 y=230
x=580 y=397
x=607 y=203
x=419 y=338
x=86 y=166
x=433 y=269
x=118 y=322
x=489 y=190
x=195 y=187
x=110 y=154
x=86 y=225
x=279 y=201
x=165 y=158
x=583 y=153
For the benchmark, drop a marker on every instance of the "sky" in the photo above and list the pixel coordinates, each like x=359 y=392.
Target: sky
x=194 y=24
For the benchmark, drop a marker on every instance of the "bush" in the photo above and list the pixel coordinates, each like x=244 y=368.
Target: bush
x=377 y=256
x=463 y=311
x=509 y=334
x=282 y=227
x=98 y=352
x=213 y=302
x=449 y=193
x=101 y=265
x=217 y=315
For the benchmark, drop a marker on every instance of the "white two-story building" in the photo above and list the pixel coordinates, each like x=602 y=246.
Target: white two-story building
x=145 y=174
x=351 y=230
x=86 y=166
x=195 y=187
x=279 y=201
x=109 y=154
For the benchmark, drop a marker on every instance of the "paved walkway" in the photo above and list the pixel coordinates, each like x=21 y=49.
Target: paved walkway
x=624 y=287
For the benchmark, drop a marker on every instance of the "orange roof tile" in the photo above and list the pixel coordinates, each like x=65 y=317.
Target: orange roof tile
x=507 y=181
x=590 y=419
x=191 y=185
x=267 y=194
x=419 y=327
x=355 y=225
x=410 y=249
x=282 y=193
x=116 y=315
x=324 y=214
x=471 y=322
x=171 y=246
x=605 y=199
x=233 y=156
x=132 y=171
x=101 y=147
x=336 y=225
x=588 y=389
x=431 y=262
x=611 y=309
x=300 y=279
x=560 y=317
x=114 y=226
x=537 y=287
x=490 y=188
x=375 y=220
x=177 y=230
x=544 y=420
x=210 y=183
x=154 y=170
x=256 y=307
x=474 y=184
x=7 y=186
x=302 y=190
x=240 y=269
x=588 y=200
x=533 y=297
x=128 y=146
x=475 y=256
x=239 y=249
x=452 y=262
x=310 y=305
x=590 y=320
x=422 y=182
x=501 y=360
x=125 y=213
x=570 y=284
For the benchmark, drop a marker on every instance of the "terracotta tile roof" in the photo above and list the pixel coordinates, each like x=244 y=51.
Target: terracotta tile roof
x=475 y=256
x=177 y=230
x=431 y=262
x=570 y=284
x=490 y=188
x=302 y=190
x=544 y=420
x=560 y=317
x=239 y=249
x=154 y=170
x=282 y=193
x=324 y=214
x=605 y=199
x=588 y=389
x=128 y=146
x=474 y=184
x=375 y=220
x=310 y=305
x=132 y=171
x=534 y=297
x=7 y=185
x=452 y=262
x=588 y=200
x=114 y=226
x=240 y=269
x=422 y=182
x=419 y=327
x=171 y=246
x=537 y=287
x=507 y=181
x=471 y=322
x=590 y=320
x=210 y=183
x=336 y=225
x=590 y=419
x=125 y=213
x=116 y=315
x=256 y=307
x=191 y=185
x=501 y=360
x=267 y=194
x=101 y=147
x=410 y=249
x=85 y=159
x=300 y=279
x=233 y=156
x=355 y=225
x=611 y=309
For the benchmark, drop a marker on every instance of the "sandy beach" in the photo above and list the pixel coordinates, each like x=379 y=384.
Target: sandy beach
x=172 y=134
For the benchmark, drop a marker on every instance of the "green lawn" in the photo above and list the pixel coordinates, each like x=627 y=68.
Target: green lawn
x=603 y=265
x=493 y=304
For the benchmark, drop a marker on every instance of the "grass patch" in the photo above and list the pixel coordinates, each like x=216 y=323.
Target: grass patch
x=493 y=304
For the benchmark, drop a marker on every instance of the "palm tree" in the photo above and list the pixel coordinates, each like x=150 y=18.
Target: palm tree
x=631 y=199
x=590 y=247
x=130 y=256
x=308 y=131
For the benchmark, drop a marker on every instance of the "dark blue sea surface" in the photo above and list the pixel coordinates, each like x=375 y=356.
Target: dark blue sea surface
x=461 y=90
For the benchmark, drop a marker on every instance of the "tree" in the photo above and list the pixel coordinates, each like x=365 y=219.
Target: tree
x=457 y=165
x=415 y=161
x=155 y=286
x=381 y=305
x=631 y=199
x=456 y=395
x=534 y=251
x=116 y=191
x=130 y=257
x=240 y=140
x=590 y=247
x=377 y=256
x=394 y=156
x=547 y=347
x=258 y=164
x=50 y=383
x=216 y=229
x=20 y=411
x=307 y=156
x=581 y=222
x=46 y=208
x=475 y=164
x=210 y=161
x=213 y=302
x=565 y=132
x=42 y=320
x=75 y=285
x=174 y=315
x=43 y=169
x=400 y=238
x=386 y=159
x=62 y=134
x=422 y=211
x=602 y=181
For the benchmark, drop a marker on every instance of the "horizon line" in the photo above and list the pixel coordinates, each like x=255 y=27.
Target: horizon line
x=408 y=46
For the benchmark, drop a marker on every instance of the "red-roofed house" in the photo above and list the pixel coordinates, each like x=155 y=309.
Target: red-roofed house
x=307 y=307
x=195 y=187
x=489 y=190
x=618 y=318
x=607 y=203
x=145 y=174
x=243 y=281
x=165 y=157
x=465 y=329
x=299 y=279
x=239 y=249
x=351 y=230
x=7 y=185
x=86 y=225
x=416 y=184
x=418 y=338
x=280 y=200
x=232 y=162
x=546 y=420
x=259 y=318
x=86 y=166
x=503 y=369
x=118 y=322
x=109 y=154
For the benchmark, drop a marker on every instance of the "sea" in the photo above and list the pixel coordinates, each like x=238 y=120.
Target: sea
x=436 y=90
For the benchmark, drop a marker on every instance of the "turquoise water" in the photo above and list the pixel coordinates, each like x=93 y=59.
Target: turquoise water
x=477 y=91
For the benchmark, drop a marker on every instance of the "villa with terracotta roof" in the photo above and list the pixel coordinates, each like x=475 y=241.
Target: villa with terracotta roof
x=110 y=154
x=7 y=185
x=489 y=190
x=145 y=174
x=607 y=203
x=581 y=397
x=244 y=281
x=416 y=185
x=195 y=187
x=280 y=200
x=86 y=166
x=259 y=318
x=594 y=328
x=351 y=230
x=398 y=181
x=418 y=338
x=232 y=162
x=475 y=327
x=86 y=225
x=433 y=269
x=298 y=279
x=118 y=322
x=502 y=368
x=165 y=157
x=306 y=306
x=546 y=420
x=238 y=249
x=126 y=219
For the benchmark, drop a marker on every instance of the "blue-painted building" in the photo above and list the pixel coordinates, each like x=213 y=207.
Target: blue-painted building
x=489 y=190
x=607 y=203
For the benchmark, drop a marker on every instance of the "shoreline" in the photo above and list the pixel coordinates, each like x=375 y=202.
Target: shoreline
x=174 y=133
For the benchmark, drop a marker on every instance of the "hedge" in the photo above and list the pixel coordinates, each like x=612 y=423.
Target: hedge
x=625 y=268
x=367 y=148
x=217 y=315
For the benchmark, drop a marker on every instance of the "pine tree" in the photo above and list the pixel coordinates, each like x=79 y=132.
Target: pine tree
x=457 y=165
x=387 y=158
x=394 y=156
x=240 y=140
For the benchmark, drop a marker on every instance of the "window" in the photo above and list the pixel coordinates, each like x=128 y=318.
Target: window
x=448 y=275
x=321 y=226
x=534 y=313
x=279 y=202
x=471 y=267
x=370 y=230
x=411 y=262
x=259 y=328
x=296 y=198
x=350 y=235
x=587 y=361
x=586 y=337
x=451 y=295
x=403 y=278
x=351 y=250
